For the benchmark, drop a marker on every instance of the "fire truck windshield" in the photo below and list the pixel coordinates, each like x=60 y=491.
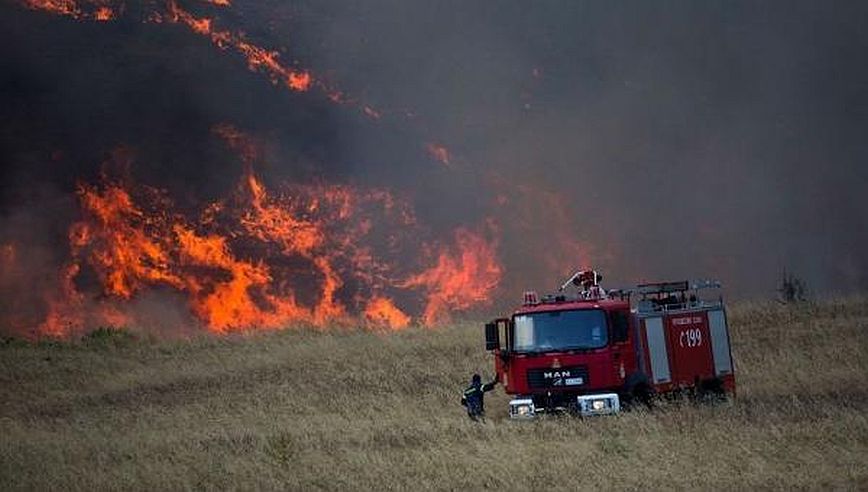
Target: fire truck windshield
x=560 y=330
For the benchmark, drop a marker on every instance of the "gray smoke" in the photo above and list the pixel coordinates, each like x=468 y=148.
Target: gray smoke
x=687 y=139
x=724 y=139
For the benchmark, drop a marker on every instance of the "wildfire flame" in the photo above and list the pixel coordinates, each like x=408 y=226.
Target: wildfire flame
x=272 y=255
x=99 y=10
x=118 y=242
x=382 y=312
x=316 y=254
x=57 y=7
x=104 y=14
x=461 y=278
x=258 y=58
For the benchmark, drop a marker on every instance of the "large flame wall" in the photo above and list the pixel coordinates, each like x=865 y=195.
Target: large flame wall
x=314 y=254
x=267 y=254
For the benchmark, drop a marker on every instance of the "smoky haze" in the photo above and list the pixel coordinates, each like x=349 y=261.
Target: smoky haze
x=715 y=138
x=658 y=140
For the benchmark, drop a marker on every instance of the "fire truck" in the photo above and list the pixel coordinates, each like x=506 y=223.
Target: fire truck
x=591 y=352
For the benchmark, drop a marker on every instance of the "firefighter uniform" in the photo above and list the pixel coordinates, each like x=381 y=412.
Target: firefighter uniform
x=474 y=397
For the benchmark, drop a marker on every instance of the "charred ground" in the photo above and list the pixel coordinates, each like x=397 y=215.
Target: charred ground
x=353 y=409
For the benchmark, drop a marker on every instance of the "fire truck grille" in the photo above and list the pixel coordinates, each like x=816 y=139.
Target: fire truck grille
x=563 y=377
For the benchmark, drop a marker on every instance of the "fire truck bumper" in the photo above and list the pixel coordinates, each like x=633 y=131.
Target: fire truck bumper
x=601 y=404
x=586 y=405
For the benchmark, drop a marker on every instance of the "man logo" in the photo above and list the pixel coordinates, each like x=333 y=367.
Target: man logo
x=556 y=375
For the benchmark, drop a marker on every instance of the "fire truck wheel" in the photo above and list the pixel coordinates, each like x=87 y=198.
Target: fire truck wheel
x=642 y=394
x=636 y=391
x=712 y=391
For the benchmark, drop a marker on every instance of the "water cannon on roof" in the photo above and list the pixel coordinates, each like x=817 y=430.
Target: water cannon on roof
x=588 y=281
x=582 y=278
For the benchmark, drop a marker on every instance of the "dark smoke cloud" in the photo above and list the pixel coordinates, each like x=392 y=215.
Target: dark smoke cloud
x=690 y=138
x=719 y=138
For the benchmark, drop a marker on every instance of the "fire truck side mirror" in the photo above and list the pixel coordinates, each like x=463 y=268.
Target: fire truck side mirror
x=492 y=336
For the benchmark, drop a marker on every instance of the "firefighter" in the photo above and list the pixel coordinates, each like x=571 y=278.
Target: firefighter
x=474 y=397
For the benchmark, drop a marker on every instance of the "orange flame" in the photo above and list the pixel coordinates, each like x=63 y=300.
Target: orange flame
x=119 y=249
x=104 y=14
x=306 y=253
x=314 y=254
x=299 y=81
x=230 y=303
x=258 y=58
x=57 y=7
x=382 y=312
x=461 y=278
x=99 y=10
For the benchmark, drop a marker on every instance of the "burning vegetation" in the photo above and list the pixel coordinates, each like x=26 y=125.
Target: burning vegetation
x=315 y=254
x=258 y=58
x=268 y=254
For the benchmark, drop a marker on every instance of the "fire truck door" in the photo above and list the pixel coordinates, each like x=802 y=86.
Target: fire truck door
x=657 y=353
x=720 y=342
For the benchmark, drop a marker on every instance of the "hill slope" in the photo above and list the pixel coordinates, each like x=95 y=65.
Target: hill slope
x=305 y=410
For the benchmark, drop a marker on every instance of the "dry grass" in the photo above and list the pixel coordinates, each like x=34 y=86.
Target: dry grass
x=304 y=410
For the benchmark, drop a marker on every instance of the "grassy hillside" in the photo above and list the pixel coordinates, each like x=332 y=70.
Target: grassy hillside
x=305 y=410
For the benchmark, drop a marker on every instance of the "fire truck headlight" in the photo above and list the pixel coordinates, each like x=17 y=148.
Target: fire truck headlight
x=602 y=404
x=522 y=408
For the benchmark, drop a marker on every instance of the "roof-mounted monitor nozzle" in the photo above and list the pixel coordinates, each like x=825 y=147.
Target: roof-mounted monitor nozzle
x=588 y=281
x=584 y=279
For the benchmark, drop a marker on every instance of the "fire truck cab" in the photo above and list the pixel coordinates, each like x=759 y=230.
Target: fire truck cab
x=591 y=352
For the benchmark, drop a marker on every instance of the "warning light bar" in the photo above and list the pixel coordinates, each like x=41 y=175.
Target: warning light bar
x=531 y=298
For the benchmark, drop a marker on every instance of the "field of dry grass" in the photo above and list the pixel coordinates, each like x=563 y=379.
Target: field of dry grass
x=356 y=410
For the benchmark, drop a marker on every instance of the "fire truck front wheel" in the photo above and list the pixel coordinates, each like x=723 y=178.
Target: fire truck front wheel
x=636 y=391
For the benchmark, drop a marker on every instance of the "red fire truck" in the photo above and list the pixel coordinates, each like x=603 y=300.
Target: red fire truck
x=593 y=351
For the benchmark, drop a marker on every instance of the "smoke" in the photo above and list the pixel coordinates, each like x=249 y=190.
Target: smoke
x=722 y=139
x=650 y=141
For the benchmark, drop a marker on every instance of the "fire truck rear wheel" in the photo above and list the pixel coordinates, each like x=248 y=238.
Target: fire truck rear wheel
x=712 y=391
